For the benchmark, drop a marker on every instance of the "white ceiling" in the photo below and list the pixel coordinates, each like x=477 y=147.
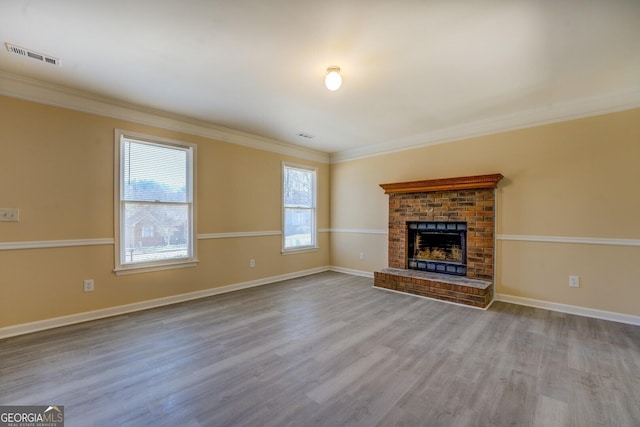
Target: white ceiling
x=414 y=70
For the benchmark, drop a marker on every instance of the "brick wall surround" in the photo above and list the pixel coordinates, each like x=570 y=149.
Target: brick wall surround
x=475 y=207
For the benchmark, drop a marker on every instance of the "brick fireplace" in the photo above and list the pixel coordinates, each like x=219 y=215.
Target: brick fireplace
x=442 y=268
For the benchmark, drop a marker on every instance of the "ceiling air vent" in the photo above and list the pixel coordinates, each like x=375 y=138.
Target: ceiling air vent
x=32 y=54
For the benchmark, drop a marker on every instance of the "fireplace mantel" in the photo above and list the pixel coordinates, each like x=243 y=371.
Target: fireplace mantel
x=460 y=183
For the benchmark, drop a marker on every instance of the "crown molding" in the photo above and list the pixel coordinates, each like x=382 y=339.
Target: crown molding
x=552 y=113
x=16 y=86
x=42 y=92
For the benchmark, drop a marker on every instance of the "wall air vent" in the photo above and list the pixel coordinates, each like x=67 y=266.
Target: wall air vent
x=32 y=54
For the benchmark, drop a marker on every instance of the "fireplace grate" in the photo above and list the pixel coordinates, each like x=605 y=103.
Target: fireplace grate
x=438 y=247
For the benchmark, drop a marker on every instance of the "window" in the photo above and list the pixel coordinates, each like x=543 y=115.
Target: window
x=299 y=207
x=154 y=203
x=147 y=231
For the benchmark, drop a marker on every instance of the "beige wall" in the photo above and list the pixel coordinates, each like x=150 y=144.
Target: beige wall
x=577 y=178
x=56 y=166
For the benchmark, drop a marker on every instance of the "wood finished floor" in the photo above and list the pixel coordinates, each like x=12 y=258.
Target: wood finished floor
x=330 y=350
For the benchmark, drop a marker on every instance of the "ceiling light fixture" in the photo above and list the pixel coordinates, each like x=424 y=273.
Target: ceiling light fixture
x=333 y=80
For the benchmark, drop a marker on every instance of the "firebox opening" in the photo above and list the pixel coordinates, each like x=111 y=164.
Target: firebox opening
x=440 y=247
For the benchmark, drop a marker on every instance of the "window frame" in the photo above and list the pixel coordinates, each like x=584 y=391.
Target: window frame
x=147 y=266
x=314 y=209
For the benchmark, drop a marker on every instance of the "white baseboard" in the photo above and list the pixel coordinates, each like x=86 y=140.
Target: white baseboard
x=56 y=322
x=570 y=309
x=351 y=271
x=40 y=325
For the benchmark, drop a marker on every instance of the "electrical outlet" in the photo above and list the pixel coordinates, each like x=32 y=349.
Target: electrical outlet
x=10 y=214
x=88 y=285
x=252 y=263
x=361 y=256
x=574 y=281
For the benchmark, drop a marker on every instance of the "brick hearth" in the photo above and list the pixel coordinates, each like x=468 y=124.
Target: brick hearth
x=465 y=199
x=461 y=290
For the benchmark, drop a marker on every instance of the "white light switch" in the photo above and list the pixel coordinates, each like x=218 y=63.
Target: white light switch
x=10 y=214
x=574 y=281
x=88 y=285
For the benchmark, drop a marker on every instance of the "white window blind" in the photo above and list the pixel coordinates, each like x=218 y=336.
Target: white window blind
x=155 y=203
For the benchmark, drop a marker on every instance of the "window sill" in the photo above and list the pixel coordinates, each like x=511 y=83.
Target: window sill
x=300 y=250
x=146 y=268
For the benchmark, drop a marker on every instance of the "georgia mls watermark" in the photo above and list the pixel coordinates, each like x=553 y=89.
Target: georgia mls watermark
x=32 y=416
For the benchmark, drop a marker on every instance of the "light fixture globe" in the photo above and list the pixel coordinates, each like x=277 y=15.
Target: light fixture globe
x=333 y=80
